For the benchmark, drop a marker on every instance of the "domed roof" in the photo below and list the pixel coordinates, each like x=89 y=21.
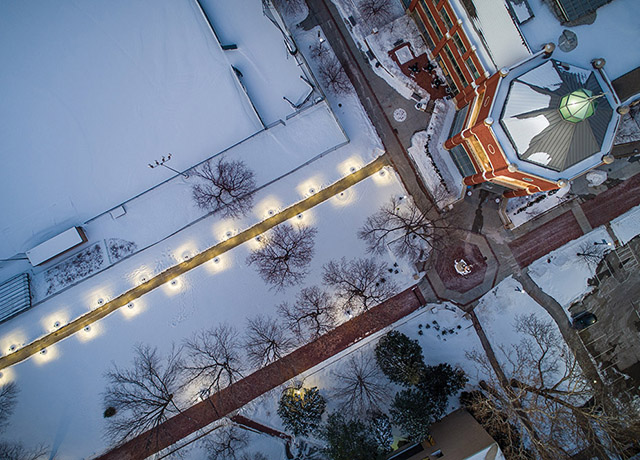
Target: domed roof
x=555 y=115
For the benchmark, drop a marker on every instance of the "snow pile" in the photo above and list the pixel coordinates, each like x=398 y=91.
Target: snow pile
x=627 y=226
x=435 y=165
x=596 y=177
x=562 y=274
x=522 y=209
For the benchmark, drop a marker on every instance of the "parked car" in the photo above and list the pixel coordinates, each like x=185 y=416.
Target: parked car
x=583 y=320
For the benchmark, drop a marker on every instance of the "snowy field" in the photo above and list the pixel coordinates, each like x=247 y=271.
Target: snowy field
x=93 y=92
x=613 y=36
x=66 y=413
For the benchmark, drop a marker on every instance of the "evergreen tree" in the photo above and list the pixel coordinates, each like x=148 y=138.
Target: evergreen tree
x=350 y=440
x=400 y=358
x=413 y=410
x=443 y=380
x=301 y=409
x=380 y=429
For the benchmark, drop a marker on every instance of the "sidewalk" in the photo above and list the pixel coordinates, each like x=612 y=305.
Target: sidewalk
x=166 y=276
x=551 y=235
x=269 y=377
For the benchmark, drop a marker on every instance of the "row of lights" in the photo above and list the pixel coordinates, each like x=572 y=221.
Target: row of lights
x=342 y=197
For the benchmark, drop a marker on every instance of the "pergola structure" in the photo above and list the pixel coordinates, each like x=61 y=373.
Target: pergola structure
x=536 y=126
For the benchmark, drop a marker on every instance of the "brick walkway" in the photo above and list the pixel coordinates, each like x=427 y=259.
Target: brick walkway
x=614 y=202
x=557 y=232
x=269 y=377
x=546 y=238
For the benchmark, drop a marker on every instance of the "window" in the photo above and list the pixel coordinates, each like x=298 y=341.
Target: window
x=458 y=121
x=472 y=68
x=455 y=65
x=431 y=19
x=445 y=18
x=459 y=44
x=461 y=159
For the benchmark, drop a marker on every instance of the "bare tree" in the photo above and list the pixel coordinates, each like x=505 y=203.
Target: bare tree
x=564 y=413
x=591 y=254
x=284 y=255
x=319 y=51
x=8 y=399
x=376 y=12
x=400 y=226
x=360 y=283
x=214 y=358
x=227 y=186
x=267 y=340
x=312 y=314
x=290 y=7
x=360 y=387
x=144 y=396
x=15 y=451
x=226 y=442
x=333 y=76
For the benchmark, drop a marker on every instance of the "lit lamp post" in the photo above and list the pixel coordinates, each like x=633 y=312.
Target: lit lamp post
x=162 y=163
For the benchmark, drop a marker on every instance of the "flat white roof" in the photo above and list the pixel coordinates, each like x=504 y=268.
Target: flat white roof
x=54 y=246
x=499 y=34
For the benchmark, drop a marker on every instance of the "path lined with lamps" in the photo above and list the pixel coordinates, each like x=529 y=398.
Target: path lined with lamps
x=170 y=274
x=269 y=377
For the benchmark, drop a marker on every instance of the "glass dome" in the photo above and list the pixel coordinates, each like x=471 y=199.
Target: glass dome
x=577 y=105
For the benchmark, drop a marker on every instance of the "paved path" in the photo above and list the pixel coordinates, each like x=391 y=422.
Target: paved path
x=275 y=374
x=572 y=224
x=95 y=315
x=376 y=96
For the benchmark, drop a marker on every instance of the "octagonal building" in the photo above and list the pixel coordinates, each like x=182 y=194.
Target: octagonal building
x=535 y=126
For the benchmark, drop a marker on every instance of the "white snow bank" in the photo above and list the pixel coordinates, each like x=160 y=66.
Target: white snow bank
x=627 y=226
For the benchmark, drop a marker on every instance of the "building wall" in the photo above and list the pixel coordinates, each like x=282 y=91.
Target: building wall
x=451 y=46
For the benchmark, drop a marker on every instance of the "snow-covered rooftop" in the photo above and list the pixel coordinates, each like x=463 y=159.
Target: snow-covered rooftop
x=614 y=35
x=92 y=92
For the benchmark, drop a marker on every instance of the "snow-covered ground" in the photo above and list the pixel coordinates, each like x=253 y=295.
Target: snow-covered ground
x=66 y=412
x=60 y=402
x=562 y=274
x=613 y=36
x=305 y=137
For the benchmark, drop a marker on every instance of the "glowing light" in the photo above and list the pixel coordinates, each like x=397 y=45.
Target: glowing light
x=225 y=229
x=185 y=251
x=218 y=264
x=311 y=186
x=46 y=355
x=13 y=341
x=90 y=332
x=7 y=375
x=350 y=165
x=133 y=309
x=55 y=320
x=343 y=198
x=303 y=219
x=268 y=207
x=174 y=286
x=383 y=177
